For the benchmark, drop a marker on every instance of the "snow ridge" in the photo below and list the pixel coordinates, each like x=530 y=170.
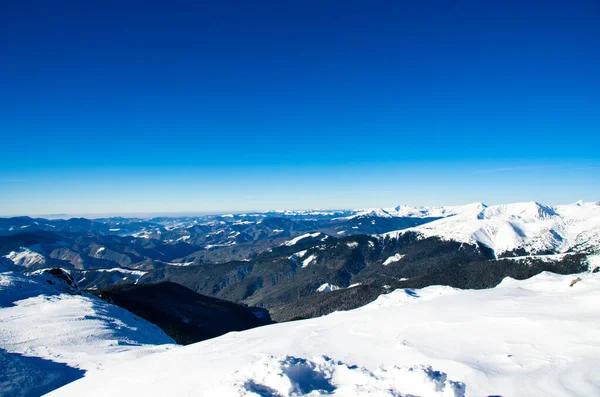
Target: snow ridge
x=295 y=240
x=327 y=287
x=52 y=333
x=407 y=211
x=25 y=257
x=532 y=227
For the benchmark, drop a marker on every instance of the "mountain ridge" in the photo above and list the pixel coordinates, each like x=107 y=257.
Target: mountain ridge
x=529 y=227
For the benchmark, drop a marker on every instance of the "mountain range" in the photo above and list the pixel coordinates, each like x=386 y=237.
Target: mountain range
x=187 y=279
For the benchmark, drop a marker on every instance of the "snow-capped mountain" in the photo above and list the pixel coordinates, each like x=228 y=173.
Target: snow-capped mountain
x=536 y=337
x=520 y=228
x=407 y=211
x=52 y=333
x=25 y=257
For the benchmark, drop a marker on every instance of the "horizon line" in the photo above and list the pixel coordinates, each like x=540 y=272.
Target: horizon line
x=178 y=214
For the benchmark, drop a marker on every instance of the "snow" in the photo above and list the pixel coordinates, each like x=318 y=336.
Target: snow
x=532 y=226
x=315 y=212
x=407 y=211
x=370 y=212
x=298 y=255
x=145 y=235
x=392 y=259
x=352 y=244
x=594 y=261
x=50 y=335
x=183 y=238
x=119 y=274
x=536 y=337
x=433 y=211
x=32 y=376
x=227 y=244
x=543 y=258
x=179 y=263
x=308 y=260
x=138 y=273
x=25 y=257
x=327 y=288
x=97 y=252
x=295 y=240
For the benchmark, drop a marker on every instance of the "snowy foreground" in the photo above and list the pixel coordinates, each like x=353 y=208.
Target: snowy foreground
x=537 y=337
x=51 y=334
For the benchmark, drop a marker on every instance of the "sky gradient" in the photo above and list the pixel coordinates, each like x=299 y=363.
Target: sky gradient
x=234 y=105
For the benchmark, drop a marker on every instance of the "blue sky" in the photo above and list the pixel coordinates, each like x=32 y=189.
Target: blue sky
x=224 y=106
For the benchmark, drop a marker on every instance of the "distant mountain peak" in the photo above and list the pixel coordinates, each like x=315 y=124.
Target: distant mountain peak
x=531 y=227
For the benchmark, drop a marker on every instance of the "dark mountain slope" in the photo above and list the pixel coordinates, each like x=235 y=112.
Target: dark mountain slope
x=468 y=275
x=184 y=315
x=286 y=279
x=325 y=303
x=25 y=239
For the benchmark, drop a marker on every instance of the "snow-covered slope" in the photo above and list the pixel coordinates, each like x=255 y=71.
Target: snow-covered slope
x=25 y=257
x=51 y=333
x=371 y=212
x=327 y=287
x=295 y=240
x=537 y=337
x=532 y=227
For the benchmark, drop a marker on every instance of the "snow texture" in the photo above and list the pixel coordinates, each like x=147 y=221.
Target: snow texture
x=536 y=337
x=308 y=260
x=298 y=255
x=327 y=288
x=25 y=257
x=392 y=259
x=51 y=333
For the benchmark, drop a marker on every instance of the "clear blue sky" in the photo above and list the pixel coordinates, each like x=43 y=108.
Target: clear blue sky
x=110 y=107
